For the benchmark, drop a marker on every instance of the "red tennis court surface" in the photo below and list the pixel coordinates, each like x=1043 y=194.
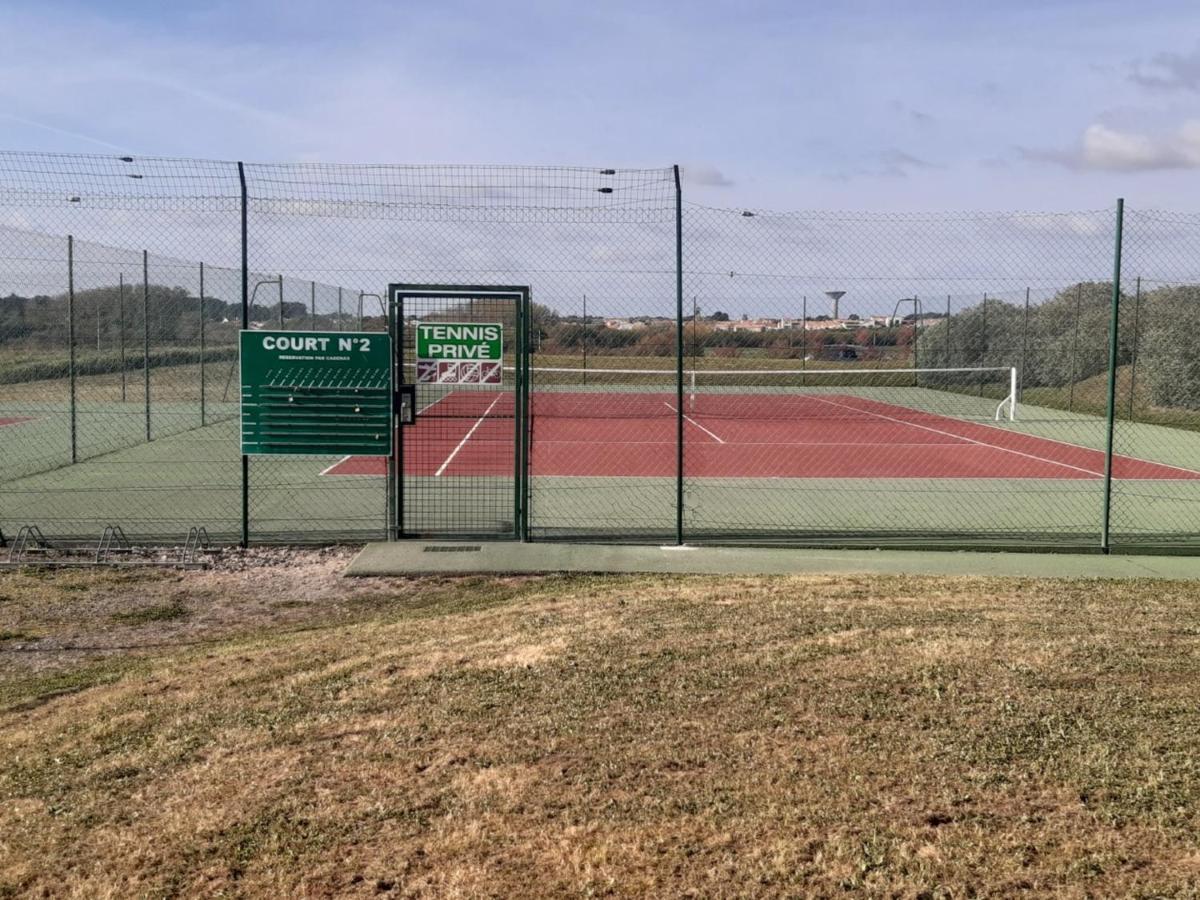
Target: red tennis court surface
x=735 y=436
x=13 y=420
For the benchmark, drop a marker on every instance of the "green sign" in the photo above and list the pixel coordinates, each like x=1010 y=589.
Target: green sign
x=460 y=353
x=316 y=392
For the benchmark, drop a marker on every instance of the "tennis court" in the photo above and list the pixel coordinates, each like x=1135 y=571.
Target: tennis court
x=742 y=434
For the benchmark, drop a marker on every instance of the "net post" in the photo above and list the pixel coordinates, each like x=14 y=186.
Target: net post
x=1113 y=322
x=146 y=335
x=241 y=168
x=202 y=410
x=71 y=342
x=678 y=357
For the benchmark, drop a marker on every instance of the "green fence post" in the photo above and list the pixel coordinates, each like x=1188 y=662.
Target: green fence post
x=71 y=341
x=339 y=309
x=1137 y=305
x=146 y=333
x=983 y=345
x=245 y=324
x=949 y=334
x=518 y=307
x=1075 y=348
x=1024 y=346
x=803 y=337
x=281 y=325
x=1105 y=532
x=678 y=358
x=585 y=337
x=202 y=411
x=312 y=305
x=121 y=326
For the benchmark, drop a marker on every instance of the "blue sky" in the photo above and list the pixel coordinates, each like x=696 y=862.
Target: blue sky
x=1059 y=104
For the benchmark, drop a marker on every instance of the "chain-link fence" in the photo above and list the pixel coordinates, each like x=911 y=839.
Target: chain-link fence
x=694 y=373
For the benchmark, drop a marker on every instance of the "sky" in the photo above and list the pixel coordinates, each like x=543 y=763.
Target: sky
x=860 y=105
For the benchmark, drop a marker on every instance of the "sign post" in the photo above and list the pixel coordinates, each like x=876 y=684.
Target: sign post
x=316 y=393
x=460 y=353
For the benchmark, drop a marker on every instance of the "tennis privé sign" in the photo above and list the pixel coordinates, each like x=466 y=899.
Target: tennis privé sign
x=459 y=353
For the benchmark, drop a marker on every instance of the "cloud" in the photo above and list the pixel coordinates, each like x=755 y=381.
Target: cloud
x=916 y=116
x=1102 y=148
x=709 y=176
x=891 y=163
x=1169 y=71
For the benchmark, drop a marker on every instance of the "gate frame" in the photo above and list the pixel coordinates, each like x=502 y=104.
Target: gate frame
x=397 y=292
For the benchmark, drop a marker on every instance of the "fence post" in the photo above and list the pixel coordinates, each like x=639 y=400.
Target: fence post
x=803 y=337
x=146 y=333
x=949 y=336
x=585 y=336
x=678 y=358
x=245 y=325
x=202 y=411
x=71 y=341
x=1024 y=344
x=983 y=345
x=339 y=309
x=1114 y=319
x=1075 y=347
x=1137 y=305
x=312 y=305
x=281 y=325
x=121 y=326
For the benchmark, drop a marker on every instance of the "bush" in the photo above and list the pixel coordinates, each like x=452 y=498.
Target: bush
x=1168 y=359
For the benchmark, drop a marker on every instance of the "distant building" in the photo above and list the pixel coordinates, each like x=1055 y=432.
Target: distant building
x=623 y=324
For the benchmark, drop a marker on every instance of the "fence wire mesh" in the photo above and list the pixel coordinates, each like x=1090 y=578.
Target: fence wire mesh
x=695 y=373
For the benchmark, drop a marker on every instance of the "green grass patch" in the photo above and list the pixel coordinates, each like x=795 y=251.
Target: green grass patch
x=166 y=612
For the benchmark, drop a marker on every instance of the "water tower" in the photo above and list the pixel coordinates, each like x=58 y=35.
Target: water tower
x=835 y=296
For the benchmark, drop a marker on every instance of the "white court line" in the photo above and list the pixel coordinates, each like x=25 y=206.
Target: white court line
x=329 y=469
x=688 y=418
x=959 y=436
x=463 y=442
x=605 y=442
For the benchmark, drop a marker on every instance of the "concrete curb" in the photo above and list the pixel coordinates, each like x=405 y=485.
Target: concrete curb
x=500 y=557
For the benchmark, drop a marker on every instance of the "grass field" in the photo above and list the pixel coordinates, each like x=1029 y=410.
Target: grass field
x=275 y=730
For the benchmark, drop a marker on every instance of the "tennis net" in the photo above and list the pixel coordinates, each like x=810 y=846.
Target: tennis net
x=592 y=393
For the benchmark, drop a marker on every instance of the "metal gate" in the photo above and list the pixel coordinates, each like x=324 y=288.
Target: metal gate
x=459 y=468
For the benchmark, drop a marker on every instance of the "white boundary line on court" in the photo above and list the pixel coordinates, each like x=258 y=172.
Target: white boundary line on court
x=1141 y=459
x=329 y=469
x=688 y=418
x=964 y=437
x=463 y=442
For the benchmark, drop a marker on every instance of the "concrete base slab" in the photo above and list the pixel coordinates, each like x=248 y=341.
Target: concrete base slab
x=449 y=558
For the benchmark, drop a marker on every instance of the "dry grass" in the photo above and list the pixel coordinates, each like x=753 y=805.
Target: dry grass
x=618 y=736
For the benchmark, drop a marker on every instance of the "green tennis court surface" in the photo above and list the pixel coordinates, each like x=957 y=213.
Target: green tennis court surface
x=190 y=475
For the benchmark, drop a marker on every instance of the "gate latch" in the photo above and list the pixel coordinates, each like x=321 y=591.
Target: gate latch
x=405 y=404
